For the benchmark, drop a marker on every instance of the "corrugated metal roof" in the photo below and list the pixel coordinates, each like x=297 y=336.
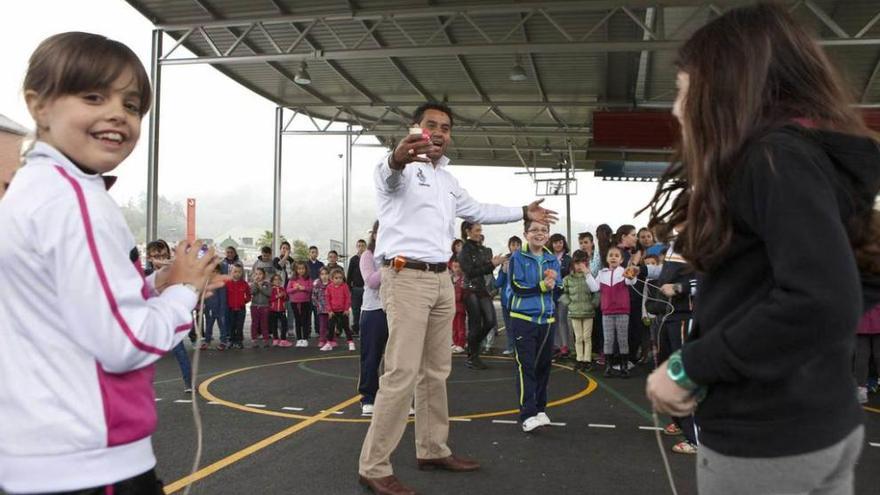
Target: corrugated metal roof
x=381 y=58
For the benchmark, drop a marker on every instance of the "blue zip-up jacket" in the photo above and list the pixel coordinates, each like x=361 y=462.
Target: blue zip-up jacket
x=531 y=300
x=503 y=285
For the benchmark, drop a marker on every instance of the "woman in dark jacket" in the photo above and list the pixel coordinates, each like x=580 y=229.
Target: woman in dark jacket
x=773 y=156
x=476 y=262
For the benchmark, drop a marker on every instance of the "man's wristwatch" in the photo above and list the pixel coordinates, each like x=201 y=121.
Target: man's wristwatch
x=675 y=371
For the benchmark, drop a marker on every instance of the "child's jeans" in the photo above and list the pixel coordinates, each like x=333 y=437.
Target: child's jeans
x=185 y=366
x=259 y=322
x=236 y=325
x=301 y=313
x=339 y=320
x=374 y=336
x=220 y=317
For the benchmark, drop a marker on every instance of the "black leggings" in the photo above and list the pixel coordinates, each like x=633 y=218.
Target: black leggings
x=142 y=484
x=301 y=313
x=339 y=322
x=276 y=319
x=481 y=320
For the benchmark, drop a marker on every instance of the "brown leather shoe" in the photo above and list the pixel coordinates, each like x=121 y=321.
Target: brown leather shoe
x=389 y=485
x=451 y=463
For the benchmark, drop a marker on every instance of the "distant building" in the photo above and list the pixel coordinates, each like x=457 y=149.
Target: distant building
x=11 y=138
x=229 y=241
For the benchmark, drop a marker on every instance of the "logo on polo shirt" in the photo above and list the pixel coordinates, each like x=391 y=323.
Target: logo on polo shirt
x=421 y=176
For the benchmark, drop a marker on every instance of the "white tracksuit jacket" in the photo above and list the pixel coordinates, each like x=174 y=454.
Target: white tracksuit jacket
x=80 y=329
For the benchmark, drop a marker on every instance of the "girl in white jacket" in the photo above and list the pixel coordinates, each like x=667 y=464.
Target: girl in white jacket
x=83 y=326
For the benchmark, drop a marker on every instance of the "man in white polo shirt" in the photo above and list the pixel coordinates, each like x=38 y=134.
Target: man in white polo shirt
x=418 y=202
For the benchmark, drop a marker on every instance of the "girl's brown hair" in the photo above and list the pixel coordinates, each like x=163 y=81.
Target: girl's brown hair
x=603 y=239
x=74 y=62
x=751 y=70
x=300 y=264
x=371 y=246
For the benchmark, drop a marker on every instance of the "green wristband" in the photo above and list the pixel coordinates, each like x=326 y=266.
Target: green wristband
x=675 y=371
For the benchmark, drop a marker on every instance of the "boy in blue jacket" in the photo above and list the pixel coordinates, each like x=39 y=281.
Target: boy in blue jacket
x=533 y=275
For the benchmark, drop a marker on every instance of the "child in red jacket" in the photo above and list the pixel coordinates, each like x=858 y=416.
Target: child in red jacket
x=278 y=312
x=238 y=294
x=338 y=304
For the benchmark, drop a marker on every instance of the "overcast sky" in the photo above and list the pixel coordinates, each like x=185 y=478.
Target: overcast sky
x=217 y=145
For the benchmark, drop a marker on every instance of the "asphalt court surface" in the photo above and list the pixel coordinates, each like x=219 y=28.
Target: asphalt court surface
x=602 y=442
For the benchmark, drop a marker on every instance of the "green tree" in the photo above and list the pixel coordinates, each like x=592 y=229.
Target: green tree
x=171 y=222
x=300 y=250
x=266 y=239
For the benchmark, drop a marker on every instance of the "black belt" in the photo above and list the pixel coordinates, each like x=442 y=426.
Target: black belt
x=420 y=265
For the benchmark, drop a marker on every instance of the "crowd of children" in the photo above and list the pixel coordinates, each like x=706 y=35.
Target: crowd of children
x=281 y=296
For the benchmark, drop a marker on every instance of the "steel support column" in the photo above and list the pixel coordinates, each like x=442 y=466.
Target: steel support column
x=276 y=180
x=346 y=191
x=153 y=144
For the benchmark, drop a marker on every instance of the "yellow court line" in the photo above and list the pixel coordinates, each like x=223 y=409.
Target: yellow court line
x=204 y=392
x=871 y=409
x=241 y=454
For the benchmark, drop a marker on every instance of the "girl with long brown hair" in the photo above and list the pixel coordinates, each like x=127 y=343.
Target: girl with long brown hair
x=772 y=198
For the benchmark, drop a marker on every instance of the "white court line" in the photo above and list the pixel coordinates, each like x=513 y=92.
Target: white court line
x=333 y=412
x=214 y=403
x=255 y=405
x=505 y=421
x=463 y=420
x=599 y=425
x=158 y=399
x=183 y=401
x=557 y=424
x=651 y=428
x=874 y=444
x=289 y=408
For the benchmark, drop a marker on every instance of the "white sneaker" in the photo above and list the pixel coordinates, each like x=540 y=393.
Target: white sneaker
x=351 y=346
x=863 y=395
x=327 y=347
x=302 y=343
x=543 y=418
x=530 y=424
x=412 y=411
x=507 y=352
x=366 y=409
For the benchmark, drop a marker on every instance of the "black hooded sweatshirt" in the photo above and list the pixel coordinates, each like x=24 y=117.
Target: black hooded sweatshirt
x=775 y=319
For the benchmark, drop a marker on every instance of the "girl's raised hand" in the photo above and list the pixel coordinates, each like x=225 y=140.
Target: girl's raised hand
x=188 y=268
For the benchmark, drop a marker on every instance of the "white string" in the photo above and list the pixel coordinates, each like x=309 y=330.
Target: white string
x=671 y=310
x=197 y=417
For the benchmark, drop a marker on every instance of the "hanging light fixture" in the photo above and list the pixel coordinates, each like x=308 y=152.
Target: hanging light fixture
x=517 y=73
x=302 y=75
x=547 y=150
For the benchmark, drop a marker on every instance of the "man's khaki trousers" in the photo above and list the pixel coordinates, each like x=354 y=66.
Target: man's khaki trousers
x=420 y=306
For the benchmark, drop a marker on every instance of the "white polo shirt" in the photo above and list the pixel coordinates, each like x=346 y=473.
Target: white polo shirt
x=417 y=209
